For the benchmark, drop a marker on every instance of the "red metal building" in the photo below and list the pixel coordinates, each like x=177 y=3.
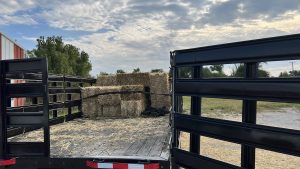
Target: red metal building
x=9 y=49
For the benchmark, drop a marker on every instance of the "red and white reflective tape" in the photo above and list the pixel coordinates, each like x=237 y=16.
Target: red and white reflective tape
x=93 y=164
x=8 y=162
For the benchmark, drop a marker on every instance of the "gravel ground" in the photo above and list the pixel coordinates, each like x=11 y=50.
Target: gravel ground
x=231 y=153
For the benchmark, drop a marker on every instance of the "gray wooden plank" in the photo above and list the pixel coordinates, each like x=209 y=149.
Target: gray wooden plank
x=157 y=147
x=134 y=148
x=146 y=147
x=165 y=153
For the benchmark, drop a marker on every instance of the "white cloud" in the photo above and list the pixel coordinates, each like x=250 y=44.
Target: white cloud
x=140 y=33
x=84 y=15
x=20 y=19
x=8 y=10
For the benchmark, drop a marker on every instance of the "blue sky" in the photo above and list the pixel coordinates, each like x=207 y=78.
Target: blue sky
x=140 y=33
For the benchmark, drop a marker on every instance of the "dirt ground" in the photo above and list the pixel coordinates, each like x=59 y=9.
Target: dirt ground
x=231 y=153
x=102 y=137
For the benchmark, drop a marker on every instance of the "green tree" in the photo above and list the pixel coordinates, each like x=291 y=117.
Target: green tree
x=185 y=72
x=284 y=74
x=120 y=71
x=62 y=58
x=157 y=71
x=218 y=68
x=137 y=70
x=295 y=73
x=239 y=71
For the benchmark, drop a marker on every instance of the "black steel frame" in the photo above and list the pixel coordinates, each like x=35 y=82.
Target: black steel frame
x=250 y=89
x=30 y=119
x=54 y=89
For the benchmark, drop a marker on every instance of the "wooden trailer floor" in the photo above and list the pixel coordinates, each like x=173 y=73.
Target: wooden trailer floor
x=143 y=137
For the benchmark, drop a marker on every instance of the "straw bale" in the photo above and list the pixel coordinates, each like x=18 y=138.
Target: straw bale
x=132 y=88
x=133 y=79
x=106 y=89
x=99 y=110
x=112 y=111
x=133 y=96
x=88 y=104
x=107 y=80
x=132 y=108
x=109 y=99
x=159 y=84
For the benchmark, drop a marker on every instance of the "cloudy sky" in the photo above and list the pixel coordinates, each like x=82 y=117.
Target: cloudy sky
x=125 y=34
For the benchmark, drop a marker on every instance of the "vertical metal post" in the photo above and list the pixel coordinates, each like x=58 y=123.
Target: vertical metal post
x=46 y=108
x=54 y=113
x=3 y=101
x=249 y=116
x=34 y=100
x=195 y=110
x=80 y=105
x=175 y=108
x=69 y=98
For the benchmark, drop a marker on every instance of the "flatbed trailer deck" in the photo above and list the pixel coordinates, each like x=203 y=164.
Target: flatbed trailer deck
x=146 y=138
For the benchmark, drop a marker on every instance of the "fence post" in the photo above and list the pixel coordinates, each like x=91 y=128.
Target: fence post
x=69 y=98
x=195 y=110
x=249 y=116
x=54 y=112
x=2 y=113
x=80 y=97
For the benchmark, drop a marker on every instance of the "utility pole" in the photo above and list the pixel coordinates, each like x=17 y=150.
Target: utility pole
x=292 y=65
x=293 y=70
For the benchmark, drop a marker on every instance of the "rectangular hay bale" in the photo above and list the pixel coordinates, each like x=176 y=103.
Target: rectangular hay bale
x=135 y=92
x=107 y=80
x=132 y=108
x=112 y=111
x=159 y=85
x=133 y=79
x=109 y=99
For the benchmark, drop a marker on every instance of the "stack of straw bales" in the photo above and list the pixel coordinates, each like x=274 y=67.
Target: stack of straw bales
x=113 y=101
x=157 y=82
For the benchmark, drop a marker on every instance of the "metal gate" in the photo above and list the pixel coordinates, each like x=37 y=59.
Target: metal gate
x=249 y=89
x=18 y=69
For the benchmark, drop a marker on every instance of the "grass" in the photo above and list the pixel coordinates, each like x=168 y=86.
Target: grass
x=217 y=106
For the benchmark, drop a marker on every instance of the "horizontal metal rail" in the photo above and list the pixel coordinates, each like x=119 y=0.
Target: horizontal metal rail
x=195 y=161
x=269 y=49
x=265 y=137
x=266 y=90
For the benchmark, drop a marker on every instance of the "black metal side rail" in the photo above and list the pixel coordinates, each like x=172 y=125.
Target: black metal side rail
x=31 y=119
x=54 y=90
x=250 y=89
